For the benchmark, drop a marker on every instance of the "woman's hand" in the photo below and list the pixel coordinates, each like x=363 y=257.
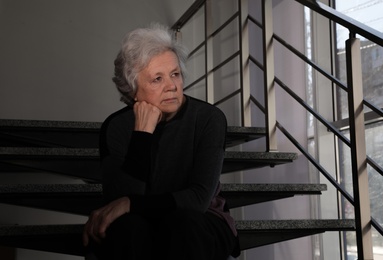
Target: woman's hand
x=147 y=116
x=100 y=219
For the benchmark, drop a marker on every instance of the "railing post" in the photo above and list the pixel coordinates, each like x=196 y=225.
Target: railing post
x=245 y=68
x=358 y=150
x=209 y=52
x=268 y=70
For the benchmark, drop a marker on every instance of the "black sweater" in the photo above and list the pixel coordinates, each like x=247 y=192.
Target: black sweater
x=178 y=166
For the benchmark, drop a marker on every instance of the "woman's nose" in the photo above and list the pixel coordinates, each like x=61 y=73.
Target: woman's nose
x=170 y=84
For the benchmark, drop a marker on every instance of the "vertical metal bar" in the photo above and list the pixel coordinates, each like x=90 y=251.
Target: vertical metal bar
x=245 y=66
x=178 y=35
x=358 y=150
x=268 y=63
x=209 y=52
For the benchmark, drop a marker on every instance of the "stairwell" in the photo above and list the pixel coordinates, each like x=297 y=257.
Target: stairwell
x=71 y=149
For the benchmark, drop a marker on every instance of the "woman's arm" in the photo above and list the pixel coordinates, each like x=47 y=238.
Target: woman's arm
x=208 y=161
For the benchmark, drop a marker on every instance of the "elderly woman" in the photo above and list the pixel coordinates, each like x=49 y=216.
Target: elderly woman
x=161 y=159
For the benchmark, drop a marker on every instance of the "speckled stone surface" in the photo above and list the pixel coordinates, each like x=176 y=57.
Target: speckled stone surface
x=236 y=135
x=42 y=151
x=246 y=130
x=50 y=188
x=97 y=125
x=241 y=225
x=95 y=151
x=318 y=224
x=227 y=187
x=38 y=230
x=49 y=124
x=246 y=187
x=261 y=155
x=251 y=233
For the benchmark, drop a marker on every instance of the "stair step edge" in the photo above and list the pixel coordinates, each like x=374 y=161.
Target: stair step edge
x=245 y=155
x=49 y=124
x=44 y=151
x=49 y=151
x=246 y=130
x=272 y=187
x=97 y=125
x=97 y=188
x=319 y=224
x=241 y=225
x=50 y=188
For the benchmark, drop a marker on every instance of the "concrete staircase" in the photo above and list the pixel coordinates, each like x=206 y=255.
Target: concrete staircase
x=71 y=149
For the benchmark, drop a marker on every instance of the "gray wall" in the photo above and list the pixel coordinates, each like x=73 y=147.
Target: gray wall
x=57 y=56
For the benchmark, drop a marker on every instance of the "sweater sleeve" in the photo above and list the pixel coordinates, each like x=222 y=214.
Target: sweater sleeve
x=125 y=162
x=137 y=160
x=208 y=160
x=117 y=182
x=153 y=204
x=137 y=164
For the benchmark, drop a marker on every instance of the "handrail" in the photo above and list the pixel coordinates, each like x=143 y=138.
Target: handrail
x=313 y=112
x=330 y=13
x=317 y=165
x=327 y=175
x=344 y=20
x=311 y=63
x=192 y=10
x=374 y=165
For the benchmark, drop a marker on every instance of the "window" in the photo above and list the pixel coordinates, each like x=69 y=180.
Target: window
x=369 y=13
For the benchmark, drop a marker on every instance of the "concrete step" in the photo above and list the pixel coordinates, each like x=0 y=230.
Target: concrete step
x=237 y=135
x=83 y=198
x=239 y=195
x=75 y=162
x=239 y=161
x=66 y=239
x=84 y=163
x=255 y=233
x=39 y=133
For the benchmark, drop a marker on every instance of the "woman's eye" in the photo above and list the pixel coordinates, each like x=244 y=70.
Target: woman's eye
x=175 y=74
x=158 y=79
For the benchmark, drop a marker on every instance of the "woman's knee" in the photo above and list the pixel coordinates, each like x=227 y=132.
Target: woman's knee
x=184 y=218
x=127 y=224
x=128 y=237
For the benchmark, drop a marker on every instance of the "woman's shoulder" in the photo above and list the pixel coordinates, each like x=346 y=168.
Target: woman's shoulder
x=204 y=108
x=205 y=113
x=198 y=104
x=115 y=119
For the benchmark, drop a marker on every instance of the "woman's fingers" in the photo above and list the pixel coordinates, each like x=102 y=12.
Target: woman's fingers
x=91 y=230
x=147 y=116
x=100 y=219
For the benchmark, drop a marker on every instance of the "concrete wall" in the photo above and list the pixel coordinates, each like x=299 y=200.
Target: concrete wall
x=57 y=56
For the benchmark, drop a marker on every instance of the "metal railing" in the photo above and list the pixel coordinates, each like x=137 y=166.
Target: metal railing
x=360 y=199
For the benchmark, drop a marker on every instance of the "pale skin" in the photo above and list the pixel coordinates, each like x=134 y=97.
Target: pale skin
x=158 y=98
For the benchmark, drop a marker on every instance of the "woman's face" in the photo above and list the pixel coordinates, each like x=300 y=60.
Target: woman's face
x=160 y=83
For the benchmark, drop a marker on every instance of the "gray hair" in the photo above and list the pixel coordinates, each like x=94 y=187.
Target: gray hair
x=138 y=48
